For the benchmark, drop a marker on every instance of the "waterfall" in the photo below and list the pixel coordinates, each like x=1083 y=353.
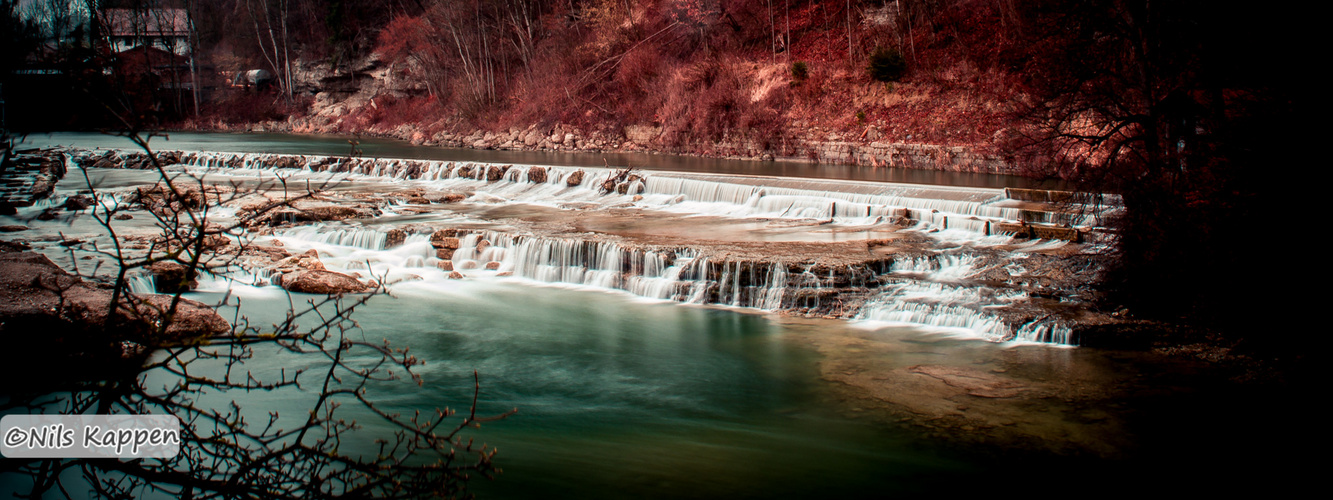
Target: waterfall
x=141 y=283
x=927 y=292
x=934 y=291
x=933 y=207
x=369 y=239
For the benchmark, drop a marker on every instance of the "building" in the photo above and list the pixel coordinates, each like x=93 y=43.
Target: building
x=165 y=29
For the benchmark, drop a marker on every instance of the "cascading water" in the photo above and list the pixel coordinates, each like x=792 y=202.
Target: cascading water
x=933 y=298
x=935 y=208
x=931 y=291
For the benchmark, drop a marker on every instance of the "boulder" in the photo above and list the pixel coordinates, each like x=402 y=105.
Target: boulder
x=172 y=277
x=394 y=237
x=537 y=175
x=496 y=172
x=492 y=266
x=575 y=178
x=532 y=138
x=78 y=202
x=445 y=265
x=308 y=261
x=455 y=275
x=449 y=243
x=445 y=238
x=444 y=253
x=57 y=320
x=321 y=282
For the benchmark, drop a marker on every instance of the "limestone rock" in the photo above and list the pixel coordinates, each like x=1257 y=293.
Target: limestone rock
x=445 y=197
x=497 y=172
x=394 y=237
x=327 y=213
x=321 y=282
x=537 y=175
x=172 y=277
x=57 y=319
x=445 y=242
x=575 y=178
x=308 y=261
x=78 y=202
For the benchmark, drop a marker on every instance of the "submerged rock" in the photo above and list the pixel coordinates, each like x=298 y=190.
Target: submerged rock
x=445 y=197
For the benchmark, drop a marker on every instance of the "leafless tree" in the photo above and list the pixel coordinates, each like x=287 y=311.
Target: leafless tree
x=234 y=449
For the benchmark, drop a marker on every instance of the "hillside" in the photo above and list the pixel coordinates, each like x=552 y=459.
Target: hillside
x=731 y=78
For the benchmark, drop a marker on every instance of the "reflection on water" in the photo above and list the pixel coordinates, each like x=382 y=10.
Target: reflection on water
x=619 y=396
x=389 y=148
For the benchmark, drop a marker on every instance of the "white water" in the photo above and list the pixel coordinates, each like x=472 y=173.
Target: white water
x=928 y=291
x=931 y=291
x=844 y=202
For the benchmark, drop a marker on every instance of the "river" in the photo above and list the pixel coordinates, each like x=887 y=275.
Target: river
x=623 y=392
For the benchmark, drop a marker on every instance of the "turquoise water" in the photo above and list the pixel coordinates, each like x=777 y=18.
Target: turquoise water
x=622 y=397
x=617 y=396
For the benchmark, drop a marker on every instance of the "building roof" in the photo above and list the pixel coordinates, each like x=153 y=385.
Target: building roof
x=151 y=22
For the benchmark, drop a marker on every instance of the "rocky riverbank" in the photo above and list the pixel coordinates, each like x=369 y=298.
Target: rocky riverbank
x=69 y=328
x=822 y=147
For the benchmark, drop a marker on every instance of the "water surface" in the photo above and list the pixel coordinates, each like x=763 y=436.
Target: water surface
x=390 y=148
